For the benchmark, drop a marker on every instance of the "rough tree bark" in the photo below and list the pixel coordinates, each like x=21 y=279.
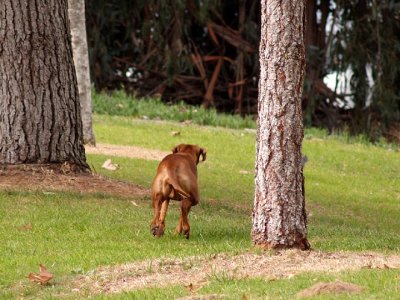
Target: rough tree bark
x=76 y=12
x=279 y=216
x=40 y=121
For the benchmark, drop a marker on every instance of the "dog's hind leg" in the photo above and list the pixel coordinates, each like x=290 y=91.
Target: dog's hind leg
x=178 y=227
x=157 y=201
x=163 y=214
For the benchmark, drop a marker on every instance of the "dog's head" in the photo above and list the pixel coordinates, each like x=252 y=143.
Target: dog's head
x=194 y=150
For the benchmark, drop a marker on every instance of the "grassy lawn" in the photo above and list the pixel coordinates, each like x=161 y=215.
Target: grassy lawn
x=382 y=284
x=352 y=194
x=121 y=104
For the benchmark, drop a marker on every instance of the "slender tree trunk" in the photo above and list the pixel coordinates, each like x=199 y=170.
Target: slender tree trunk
x=279 y=216
x=40 y=119
x=76 y=12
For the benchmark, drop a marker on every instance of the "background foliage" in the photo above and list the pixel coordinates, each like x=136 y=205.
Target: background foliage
x=204 y=52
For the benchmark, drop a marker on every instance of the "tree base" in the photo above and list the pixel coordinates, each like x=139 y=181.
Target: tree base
x=57 y=168
x=302 y=245
x=39 y=178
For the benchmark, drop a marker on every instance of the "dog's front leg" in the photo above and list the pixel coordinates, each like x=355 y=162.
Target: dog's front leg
x=178 y=228
x=185 y=209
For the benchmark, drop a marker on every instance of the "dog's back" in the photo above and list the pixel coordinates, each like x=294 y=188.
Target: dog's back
x=176 y=177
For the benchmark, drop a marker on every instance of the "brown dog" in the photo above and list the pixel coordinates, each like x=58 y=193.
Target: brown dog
x=176 y=179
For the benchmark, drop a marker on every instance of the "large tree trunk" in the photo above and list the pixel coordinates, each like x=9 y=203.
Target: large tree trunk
x=76 y=12
x=39 y=109
x=279 y=216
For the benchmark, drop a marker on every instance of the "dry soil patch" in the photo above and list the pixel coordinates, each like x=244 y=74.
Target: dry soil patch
x=32 y=178
x=194 y=272
x=126 y=151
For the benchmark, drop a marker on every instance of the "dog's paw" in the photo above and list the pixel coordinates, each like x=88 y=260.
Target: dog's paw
x=160 y=232
x=154 y=230
x=157 y=231
x=186 y=233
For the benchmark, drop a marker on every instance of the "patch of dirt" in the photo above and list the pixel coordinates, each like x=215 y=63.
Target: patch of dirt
x=337 y=287
x=127 y=151
x=60 y=178
x=196 y=271
x=43 y=178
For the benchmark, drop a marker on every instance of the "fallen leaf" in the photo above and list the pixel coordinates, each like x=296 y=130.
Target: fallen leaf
x=108 y=165
x=25 y=227
x=272 y=278
x=189 y=287
x=175 y=133
x=43 y=277
x=385 y=266
x=193 y=288
x=134 y=203
x=65 y=168
x=370 y=266
x=367 y=266
x=244 y=172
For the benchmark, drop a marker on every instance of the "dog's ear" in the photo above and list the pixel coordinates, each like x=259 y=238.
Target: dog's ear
x=203 y=153
x=176 y=149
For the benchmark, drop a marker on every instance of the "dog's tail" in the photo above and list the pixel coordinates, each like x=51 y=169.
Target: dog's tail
x=178 y=189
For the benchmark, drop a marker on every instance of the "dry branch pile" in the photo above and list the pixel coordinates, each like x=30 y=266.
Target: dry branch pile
x=202 y=53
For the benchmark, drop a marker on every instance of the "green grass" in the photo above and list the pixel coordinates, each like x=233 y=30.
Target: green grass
x=352 y=189
x=121 y=104
x=75 y=233
x=382 y=284
x=352 y=195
